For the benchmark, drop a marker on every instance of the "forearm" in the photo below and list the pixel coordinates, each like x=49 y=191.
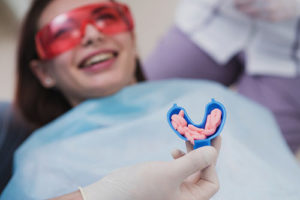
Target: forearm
x=71 y=196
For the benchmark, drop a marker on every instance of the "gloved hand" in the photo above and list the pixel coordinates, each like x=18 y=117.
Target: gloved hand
x=190 y=176
x=271 y=10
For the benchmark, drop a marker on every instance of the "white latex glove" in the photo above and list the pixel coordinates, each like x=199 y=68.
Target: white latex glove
x=270 y=10
x=189 y=177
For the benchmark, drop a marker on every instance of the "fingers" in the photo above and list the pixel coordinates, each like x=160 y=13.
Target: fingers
x=208 y=182
x=194 y=161
x=177 y=154
x=217 y=143
x=189 y=146
x=210 y=175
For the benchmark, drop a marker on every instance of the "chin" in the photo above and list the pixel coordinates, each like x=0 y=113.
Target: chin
x=104 y=90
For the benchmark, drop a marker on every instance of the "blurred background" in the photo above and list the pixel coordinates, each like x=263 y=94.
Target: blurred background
x=151 y=22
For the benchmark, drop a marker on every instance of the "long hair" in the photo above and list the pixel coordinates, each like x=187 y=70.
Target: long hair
x=36 y=104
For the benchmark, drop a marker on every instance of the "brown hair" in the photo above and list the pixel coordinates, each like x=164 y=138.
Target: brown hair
x=36 y=104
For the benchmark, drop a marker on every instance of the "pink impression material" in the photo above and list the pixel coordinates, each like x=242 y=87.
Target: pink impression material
x=192 y=132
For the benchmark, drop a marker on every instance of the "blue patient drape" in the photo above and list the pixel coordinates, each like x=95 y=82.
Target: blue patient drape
x=130 y=127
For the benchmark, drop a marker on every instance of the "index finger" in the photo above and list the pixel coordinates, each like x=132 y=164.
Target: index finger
x=194 y=161
x=217 y=143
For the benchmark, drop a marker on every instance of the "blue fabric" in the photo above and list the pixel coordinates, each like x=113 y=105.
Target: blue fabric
x=129 y=127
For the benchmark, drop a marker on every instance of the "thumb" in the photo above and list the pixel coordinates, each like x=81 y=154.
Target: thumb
x=194 y=161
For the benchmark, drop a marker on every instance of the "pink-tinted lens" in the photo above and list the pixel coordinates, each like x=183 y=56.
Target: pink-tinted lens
x=66 y=30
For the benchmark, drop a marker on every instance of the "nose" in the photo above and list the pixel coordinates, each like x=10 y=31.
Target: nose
x=91 y=35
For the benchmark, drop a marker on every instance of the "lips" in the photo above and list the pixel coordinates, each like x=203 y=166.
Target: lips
x=97 y=58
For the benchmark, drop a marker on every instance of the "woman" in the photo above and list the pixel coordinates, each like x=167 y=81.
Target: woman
x=42 y=95
x=85 y=52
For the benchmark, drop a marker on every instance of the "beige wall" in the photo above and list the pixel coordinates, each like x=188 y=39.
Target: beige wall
x=8 y=29
x=151 y=21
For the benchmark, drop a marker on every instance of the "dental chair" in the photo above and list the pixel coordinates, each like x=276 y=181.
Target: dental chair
x=12 y=133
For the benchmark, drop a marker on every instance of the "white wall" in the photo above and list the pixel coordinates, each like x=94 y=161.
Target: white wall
x=153 y=17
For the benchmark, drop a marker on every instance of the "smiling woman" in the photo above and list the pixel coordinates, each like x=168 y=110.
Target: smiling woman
x=94 y=57
x=119 y=123
x=72 y=51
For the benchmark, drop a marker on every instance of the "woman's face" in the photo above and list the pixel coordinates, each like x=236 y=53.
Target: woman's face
x=99 y=66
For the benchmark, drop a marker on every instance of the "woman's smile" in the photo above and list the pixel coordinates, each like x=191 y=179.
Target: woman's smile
x=99 y=61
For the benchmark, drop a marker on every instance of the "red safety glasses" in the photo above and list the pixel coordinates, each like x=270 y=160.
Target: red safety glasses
x=66 y=30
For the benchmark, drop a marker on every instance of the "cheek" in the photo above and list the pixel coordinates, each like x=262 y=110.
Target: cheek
x=62 y=66
x=126 y=42
x=129 y=50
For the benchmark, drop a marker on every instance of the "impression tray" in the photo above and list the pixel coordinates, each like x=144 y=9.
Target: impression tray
x=209 y=107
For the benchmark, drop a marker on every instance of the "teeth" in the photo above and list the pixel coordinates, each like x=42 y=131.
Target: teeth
x=98 y=58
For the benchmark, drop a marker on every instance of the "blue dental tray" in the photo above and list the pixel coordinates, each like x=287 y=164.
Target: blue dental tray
x=209 y=107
